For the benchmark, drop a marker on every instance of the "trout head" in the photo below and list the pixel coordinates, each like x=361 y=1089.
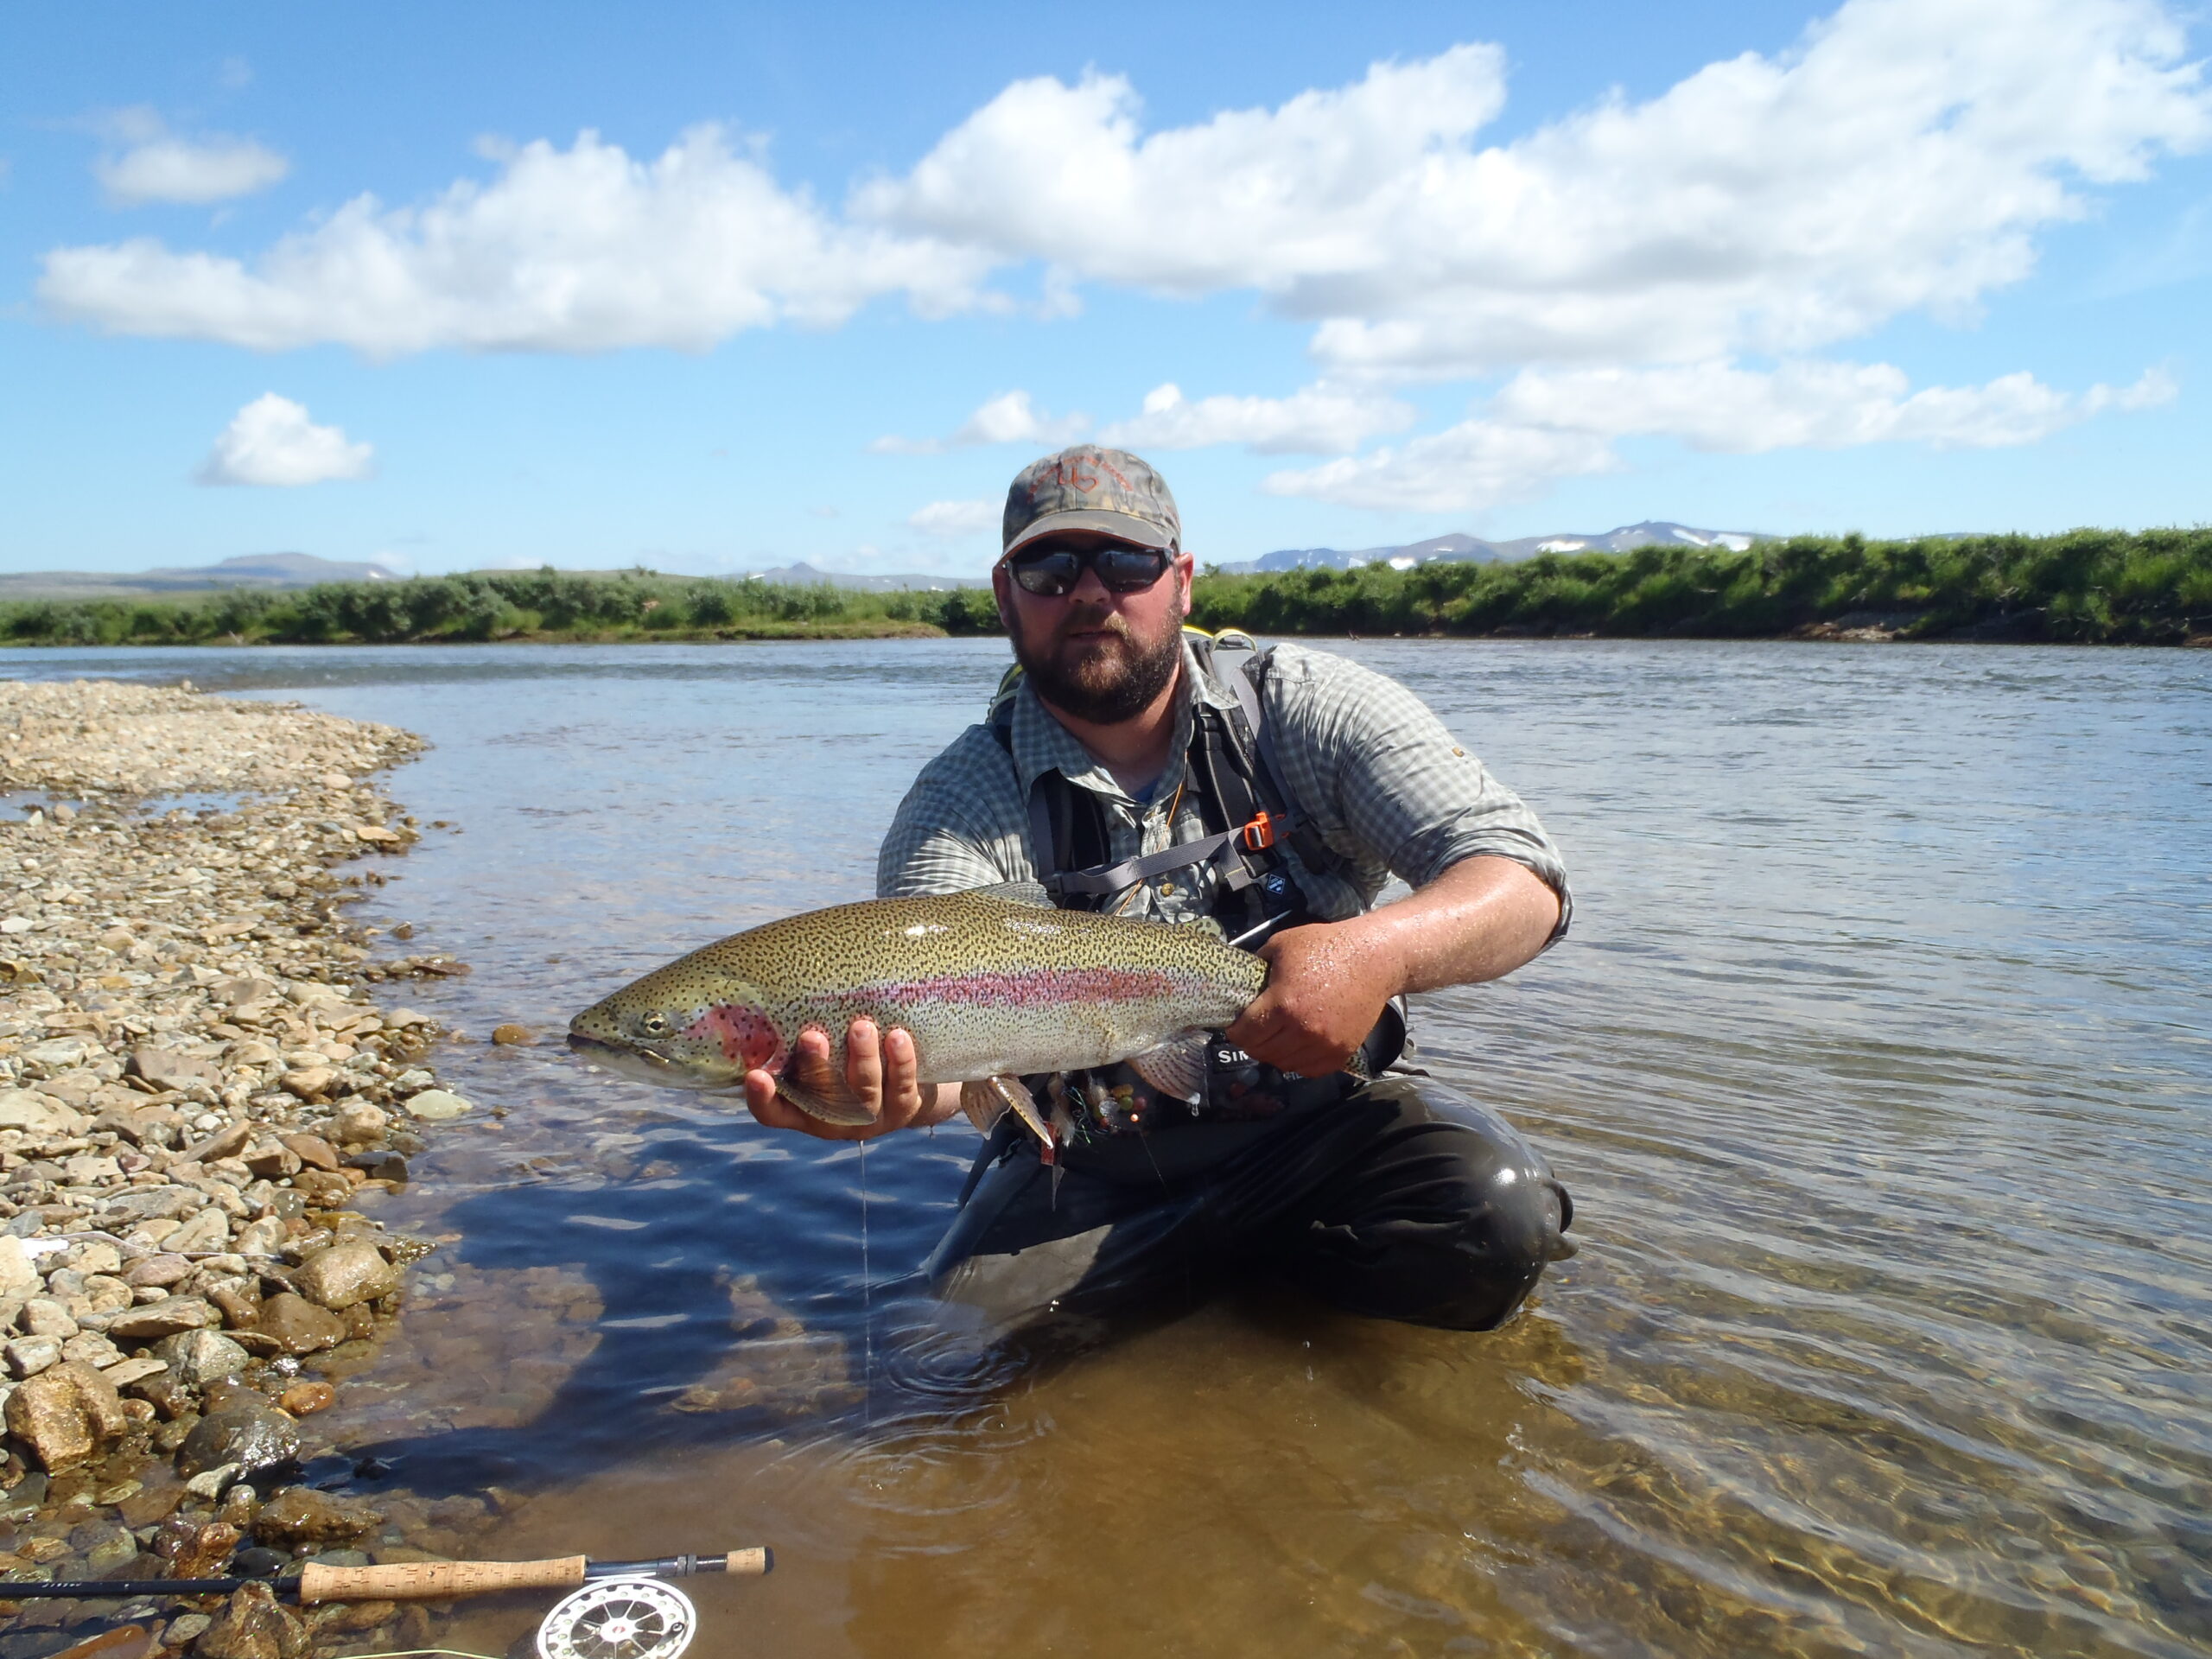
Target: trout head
x=674 y=1036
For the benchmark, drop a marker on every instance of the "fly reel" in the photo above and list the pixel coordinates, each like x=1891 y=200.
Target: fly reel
x=620 y=1619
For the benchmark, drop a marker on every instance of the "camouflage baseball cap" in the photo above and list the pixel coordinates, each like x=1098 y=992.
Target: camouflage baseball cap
x=1087 y=487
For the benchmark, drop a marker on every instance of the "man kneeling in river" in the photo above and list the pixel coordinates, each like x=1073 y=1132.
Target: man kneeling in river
x=1132 y=767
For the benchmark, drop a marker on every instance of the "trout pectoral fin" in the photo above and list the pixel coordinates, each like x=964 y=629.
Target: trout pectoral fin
x=983 y=1104
x=988 y=1099
x=1177 y=1068
x=846 y=1114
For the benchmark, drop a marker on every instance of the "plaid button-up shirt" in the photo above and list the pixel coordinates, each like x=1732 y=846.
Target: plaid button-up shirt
x=1363 y=761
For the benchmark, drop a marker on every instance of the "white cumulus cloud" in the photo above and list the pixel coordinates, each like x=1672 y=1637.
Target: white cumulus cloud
x=1900 y=158
x=1010 y=417
x=1474 y=465
x=272 y=441
x=153 y=164
x=1319 y=420
x=576 y=249
x=1545 y=425
x=950 y=519
x=1719 y=406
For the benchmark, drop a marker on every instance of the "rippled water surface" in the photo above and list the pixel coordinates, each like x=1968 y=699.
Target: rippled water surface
x=1879 y=1064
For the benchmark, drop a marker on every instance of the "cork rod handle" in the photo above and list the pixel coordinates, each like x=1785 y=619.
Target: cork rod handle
x=748 y=1563
x=428 y=1580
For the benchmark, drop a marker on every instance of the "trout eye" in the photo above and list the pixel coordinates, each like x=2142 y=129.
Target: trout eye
x=653 y=1025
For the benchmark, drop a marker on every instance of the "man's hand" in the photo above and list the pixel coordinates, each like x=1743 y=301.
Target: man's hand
x=1326 y=986
x=1326 y=983
x=881 y=1070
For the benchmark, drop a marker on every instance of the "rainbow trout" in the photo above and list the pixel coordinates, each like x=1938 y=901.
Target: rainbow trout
x=992 y=984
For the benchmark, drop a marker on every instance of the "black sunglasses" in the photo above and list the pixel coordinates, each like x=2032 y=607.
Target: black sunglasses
x=1053 y=572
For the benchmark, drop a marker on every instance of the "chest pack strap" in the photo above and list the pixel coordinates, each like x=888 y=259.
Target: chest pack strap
x=1246 y=810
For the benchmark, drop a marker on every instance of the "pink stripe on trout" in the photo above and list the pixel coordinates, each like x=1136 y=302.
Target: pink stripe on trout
x=991 y=986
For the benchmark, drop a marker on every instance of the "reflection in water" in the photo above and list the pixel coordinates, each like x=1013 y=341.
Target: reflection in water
x=1877 y=1063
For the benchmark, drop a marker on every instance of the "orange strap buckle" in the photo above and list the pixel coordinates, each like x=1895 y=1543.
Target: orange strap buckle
x=1260 y=832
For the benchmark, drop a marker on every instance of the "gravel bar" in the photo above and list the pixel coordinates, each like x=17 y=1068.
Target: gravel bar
x=197 y=1090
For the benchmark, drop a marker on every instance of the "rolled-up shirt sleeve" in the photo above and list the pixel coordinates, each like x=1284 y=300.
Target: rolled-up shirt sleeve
x=1398 y=786
x=952 y=832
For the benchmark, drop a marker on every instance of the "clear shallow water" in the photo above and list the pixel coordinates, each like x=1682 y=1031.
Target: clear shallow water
x=1879 y=1064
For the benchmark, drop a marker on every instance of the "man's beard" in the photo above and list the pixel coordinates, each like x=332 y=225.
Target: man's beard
x=1097 y=681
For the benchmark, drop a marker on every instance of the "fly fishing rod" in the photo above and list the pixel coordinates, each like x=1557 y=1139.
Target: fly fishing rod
x=404 y=1580
x=616 y=1609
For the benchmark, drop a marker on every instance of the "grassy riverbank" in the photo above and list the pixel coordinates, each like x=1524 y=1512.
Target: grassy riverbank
x=532 y=605
x=2085 y=587
x=2151 y=588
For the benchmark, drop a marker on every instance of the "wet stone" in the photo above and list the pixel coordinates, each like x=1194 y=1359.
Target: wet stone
x=299 y=1514
x=196 y=1359
x=303 y=1399
x=351 y=1271
x=65 y=1415
x=247 y=1431
x=296 y=1326
x=358 y=1124
x=435 y=1105
x=252 y=1626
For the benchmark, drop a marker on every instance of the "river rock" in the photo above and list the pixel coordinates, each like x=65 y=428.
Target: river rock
x=37 y=1113
x=65 y=1414
x=194 y=1549
x=322 y=1191
x=29 y=1355
x=221 y=1144
x=380 y=1166
x=314 y=1151
x=308 y=1082
x=296 y=1326
x=353 y=1270
x=435 y=1105
x=44 y=1317
x=165 y=1068
x=246 y=1430
x=358 y=1123
x=259 y=1238
x=164 y=1319
x=252 y=1626
x=18 y=1278
x=512 y=1035
x=273 y=1161
x=208 y=1230
x=199 y=1357
x=303 y=1399
x=162 y=1271
x=299 y=1514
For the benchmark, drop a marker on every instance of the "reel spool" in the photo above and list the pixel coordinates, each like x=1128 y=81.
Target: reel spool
x=620 y=1619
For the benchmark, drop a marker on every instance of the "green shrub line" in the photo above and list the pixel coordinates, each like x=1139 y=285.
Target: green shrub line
x=543 y=604
x=2085 y=587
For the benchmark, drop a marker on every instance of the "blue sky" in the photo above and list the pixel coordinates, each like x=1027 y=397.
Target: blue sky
x=714 y=288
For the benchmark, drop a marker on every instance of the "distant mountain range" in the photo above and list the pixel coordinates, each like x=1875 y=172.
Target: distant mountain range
x=247 y=570
x=805 y=575
x=1473 y=549
x=304 y=570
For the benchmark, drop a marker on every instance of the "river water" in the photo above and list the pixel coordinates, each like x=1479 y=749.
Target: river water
x=1879 y=1065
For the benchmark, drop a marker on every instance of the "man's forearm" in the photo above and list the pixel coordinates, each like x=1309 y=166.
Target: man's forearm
x=1482 y=918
